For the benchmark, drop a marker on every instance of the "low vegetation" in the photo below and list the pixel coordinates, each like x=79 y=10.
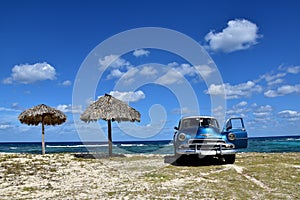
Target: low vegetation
x=65 y=176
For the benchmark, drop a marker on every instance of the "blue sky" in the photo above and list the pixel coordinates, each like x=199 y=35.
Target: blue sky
x=253 y=44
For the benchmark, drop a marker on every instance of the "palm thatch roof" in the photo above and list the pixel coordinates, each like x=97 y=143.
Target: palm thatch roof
x=42 y=114
x=108 y=108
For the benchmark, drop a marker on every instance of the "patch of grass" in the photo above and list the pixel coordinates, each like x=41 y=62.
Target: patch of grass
x=5 y=157
x=52 y=170
x=111 y=193
x=29 y=189
x=14 y=168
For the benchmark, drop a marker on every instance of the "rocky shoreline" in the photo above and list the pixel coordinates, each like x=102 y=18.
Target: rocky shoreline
x=78 y=176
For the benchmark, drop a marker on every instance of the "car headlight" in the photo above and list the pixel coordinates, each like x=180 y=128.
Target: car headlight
x=181 y=137
x=231 y=136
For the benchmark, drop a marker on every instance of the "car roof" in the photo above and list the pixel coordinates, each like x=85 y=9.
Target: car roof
x=200 y=116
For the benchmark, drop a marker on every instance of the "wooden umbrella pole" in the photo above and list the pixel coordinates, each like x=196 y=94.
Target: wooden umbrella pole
x=43 y=137
x=109 y=138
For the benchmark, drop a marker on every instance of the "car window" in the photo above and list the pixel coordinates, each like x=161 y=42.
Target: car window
x=209 y=122
x=189 y=123
x=196 y=122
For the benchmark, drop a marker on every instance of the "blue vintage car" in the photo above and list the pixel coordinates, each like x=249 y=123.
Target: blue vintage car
x=202 y=136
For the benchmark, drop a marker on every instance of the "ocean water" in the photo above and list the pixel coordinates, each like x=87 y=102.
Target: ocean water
x=266 y=144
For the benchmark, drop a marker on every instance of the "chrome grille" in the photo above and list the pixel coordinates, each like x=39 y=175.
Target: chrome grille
x=206 y=141
x=206 y=144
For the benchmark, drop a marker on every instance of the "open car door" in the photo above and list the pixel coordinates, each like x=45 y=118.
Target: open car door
x=236 y=132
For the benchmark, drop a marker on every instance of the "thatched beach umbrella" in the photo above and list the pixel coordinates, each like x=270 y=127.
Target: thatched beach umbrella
x=110 y=109
x=42 y=114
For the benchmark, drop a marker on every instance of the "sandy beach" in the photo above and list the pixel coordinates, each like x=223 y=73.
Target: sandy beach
x=73 y=176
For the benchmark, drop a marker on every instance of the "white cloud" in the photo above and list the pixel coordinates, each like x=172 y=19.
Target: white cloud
x=271 y=94
x=170 y=77
x=241 y=104
x=239 y=109
x=183 y=69
x=130 y=76
x=289 y=113
x=183 y=111
x=270 y=77
x=148 y=71
x=27 y=73
x=234 y=91
x=263 y=111
x=275 y=82
x=235 y=111
x=7 y=109
x=283 y=90
x=69 y=108
x=204 y=70
x=293 y=70
x=128 y=96
x=266 y=108
x=115 y=73
x=6 y=126
x=118 y=66
x=238 y=35
x=188 y=70
x=176 y=73
x=113 y=61
x=67 y=83
x=261 y=114
x=141 y=52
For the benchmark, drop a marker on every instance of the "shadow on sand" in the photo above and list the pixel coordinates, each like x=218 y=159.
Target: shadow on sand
x=96 y=155
x=193 y=160
x=190 y=160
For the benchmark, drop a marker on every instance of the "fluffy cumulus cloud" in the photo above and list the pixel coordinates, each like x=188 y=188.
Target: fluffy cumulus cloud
x=113 y=61
x=171 y=77
x=128 y=96
x=283 y=90
x=238 y=110
x=66 y=83
x=294 y=70
x=205 y=70
x=27 y=73
x=5 y=126
x=275 y=78
x=263 y=111
x=148 y=71
x=115 y=73
x=238 y=35
x=290 y=114
x=177 y=72
x=69 y=108
x=271 y=77
x=290 y=69
x=234 y=91
x=141 y=52
x=241 y=104
x=183 y=111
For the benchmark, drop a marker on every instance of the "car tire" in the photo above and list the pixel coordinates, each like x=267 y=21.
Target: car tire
x=229 y=159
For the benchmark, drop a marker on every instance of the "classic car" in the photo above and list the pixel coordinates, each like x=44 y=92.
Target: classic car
x=202 y=136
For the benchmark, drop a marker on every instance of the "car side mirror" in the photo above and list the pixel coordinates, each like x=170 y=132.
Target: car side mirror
x=176 y=128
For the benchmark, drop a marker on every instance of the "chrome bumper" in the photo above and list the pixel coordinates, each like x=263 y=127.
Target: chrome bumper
x=197 y=149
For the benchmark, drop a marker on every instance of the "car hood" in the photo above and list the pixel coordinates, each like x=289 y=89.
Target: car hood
x=203 y=132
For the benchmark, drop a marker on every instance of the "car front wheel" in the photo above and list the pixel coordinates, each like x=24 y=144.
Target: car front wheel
x=229 y=159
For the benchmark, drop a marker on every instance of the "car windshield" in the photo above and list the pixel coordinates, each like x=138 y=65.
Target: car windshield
x=196 y=122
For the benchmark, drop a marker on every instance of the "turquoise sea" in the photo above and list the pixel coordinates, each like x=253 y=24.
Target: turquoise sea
x=261 y=144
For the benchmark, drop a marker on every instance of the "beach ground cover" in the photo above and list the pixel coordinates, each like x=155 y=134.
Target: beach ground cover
x=67 y=176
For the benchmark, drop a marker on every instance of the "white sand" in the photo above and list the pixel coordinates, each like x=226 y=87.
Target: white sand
x=62 y=176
